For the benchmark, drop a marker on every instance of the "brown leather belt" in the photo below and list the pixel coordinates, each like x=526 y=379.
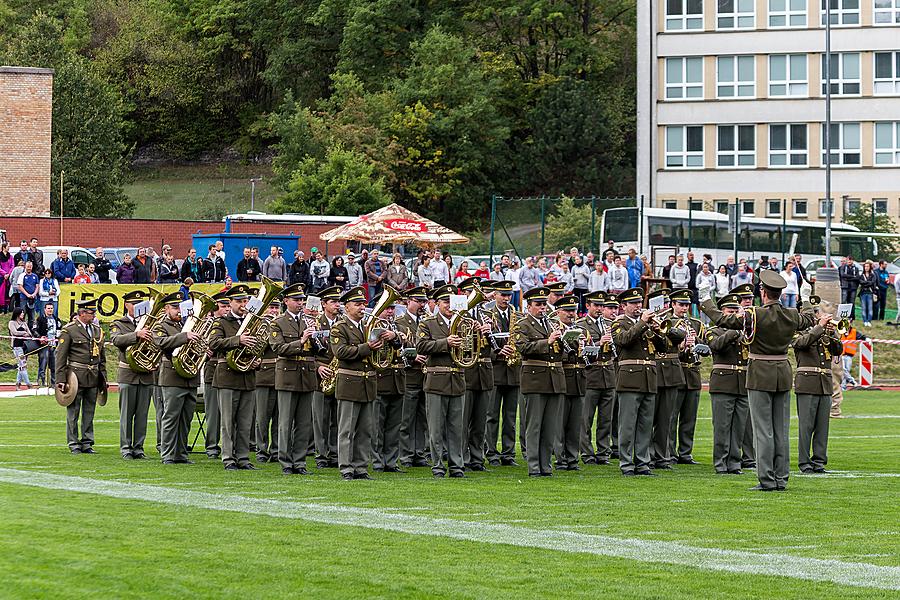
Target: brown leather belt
x=540 y=363
x=268 y=361
x=667 y=356
x=821 y=370
x=571 y=367
x=729 y=367
x=299 y=358
x=635 y=361
x=356 y=373
x=772 y=357
x=690 y=365
x=443 y=370
x=605 y=363
x=82 y=365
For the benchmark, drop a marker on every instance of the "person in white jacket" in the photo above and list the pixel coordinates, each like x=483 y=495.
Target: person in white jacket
x=599 y=279
x=618 y=277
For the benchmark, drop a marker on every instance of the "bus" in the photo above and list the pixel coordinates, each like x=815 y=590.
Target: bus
x=667 y=231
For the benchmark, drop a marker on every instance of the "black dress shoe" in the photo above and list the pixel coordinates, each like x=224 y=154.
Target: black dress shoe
x=363 y=476
x=546 y=474
x=722 y=472
x=662 y=466
x=510 y=462
x=88 y=451
x=589 y=461
x=602 y=461
x=438 y=474
x=183 y=461
x=169 y=461
x=420 y=463
x=232 y=467
x=140 y=456
x=127 y=457
x=628 y=473
x=288 y=471
x=748 y=464
x=301 y=471
x=378 y=469
x=687 y=461
x=646 y=473
x=573 y=467
x=736 y=472
x=476 y=467
x=393 y=470
x=332 y=465
x=760 y=488
x=807 y=471
x=821 y=470
x=534 y=474
x=614 y=455
x=494 y=463
x=457 y=474
x=248 y=467
x=347 y=476
x=780 y=488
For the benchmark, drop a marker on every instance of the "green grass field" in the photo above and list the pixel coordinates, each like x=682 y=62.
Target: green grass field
x=141 y=529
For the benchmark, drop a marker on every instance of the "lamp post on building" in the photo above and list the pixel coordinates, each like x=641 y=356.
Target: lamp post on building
x=253 y=183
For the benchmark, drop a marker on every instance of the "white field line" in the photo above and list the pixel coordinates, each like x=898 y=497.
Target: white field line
x=714 y=559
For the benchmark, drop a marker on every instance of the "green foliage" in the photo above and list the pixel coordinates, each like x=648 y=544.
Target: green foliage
x=344 y=183
x=570 y=226
x=862 y=218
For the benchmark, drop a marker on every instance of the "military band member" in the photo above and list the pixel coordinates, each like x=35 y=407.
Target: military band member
x=555 y=291
x=687 y=401
x=445 y=387
x=80 y=351
x=543 y=381
x=636 y=339
x=134 y=386
x=600 y=383
x=571 y=404
x=501 y=414
x=815 y=349
x=266 y=398
x=610 y=313
x=210 y=393
x=744 y=293
x=295 y=380
x=357 y=386
x=769 y=375
x=670 y=377
x=325 y=414
x=389 y=405
x=728 y=391
x=236 y=388
x=413 y=429
x=179 y=394
x=479 y=384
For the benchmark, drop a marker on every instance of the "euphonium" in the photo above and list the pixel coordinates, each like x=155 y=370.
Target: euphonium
x=464 y=326
x=143 y=356
x=385 y=356
x=188 y=359
x=255 y=325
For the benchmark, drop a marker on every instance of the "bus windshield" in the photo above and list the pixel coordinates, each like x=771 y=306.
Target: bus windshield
x=620 y=224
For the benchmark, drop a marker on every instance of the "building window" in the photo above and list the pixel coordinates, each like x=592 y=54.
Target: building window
x=737 y=146
x=684 y=147
x=822 y=204
x=787 y=145
x=852 y=205
x=773 y=208
x=843 y=12
x=787 y=75
x=845 y=79
x=695 y=205
x=887 y=72
x=684 y=14
x=887 y=12
x=887 y=143
x=722 y=206
x=800 y=208
x=670 y=204
x=735 y=14
x=748 y=208
x=735 y=76
x=684 y=78
x=787 y=13
x=880 y=205
x=844 y=144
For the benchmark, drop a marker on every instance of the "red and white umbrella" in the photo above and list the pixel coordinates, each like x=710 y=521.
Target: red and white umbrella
x=394 y=224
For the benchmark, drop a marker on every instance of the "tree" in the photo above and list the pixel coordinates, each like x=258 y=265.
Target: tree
x=344 y=183
x=866 y=219
x=570 y=226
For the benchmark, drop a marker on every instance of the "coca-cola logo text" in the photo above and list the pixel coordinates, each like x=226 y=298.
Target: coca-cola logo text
x=406 y=225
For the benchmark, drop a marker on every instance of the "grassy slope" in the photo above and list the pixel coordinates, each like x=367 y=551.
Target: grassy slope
x=126 y=548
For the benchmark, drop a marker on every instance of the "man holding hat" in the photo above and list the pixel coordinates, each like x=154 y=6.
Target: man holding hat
x=236 y=388
x=479 y=381
x=134 y=386
x=687 y=399
x=357 y=386
x=445 y=386
x=324 y=407
x=210 y=392
x=637 y=339
x=179 y=394
x=745 y=294
x=266 y=398
x=80 y=353
x=543 y=381
x=501 y=414
x=295 y=380
x=413 y=427
x=670 y=377
x=769 y=374
x=570 y=401
x=600 y=381
x=728 y=391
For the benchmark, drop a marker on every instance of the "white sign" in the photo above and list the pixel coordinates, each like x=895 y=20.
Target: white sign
x=313 y=303
x=399 y=311
x=254 y=305
x=141 y=309
x=186 y=308
x=656 y=303
x=844 y=310
x=459 y=302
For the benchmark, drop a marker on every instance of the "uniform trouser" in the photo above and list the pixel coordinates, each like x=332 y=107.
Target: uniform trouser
x=748 y=453
x=615 y=425
x=134 y=404
x=729 y=418
x=812 y=417
x=237 y=422
x=84 y=405
x=158 y=407
x=475 y=420
x=542 y=415
x=213 y=420
x=636 y=411
x=445 y=417
x=180 y=404
x=837 y=394
x=771 y=415
x=294 y=428
x=522 y=423
x=412 y=428
x=386 y=441
x=684 y=421
x=570 y=425
x=597 y=402
x=354 y=437
x=325 y=427
x=266 y=422
x=501 y=419
x=666 y=398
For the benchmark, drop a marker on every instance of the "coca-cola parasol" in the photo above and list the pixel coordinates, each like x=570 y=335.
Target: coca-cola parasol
x=394 y=224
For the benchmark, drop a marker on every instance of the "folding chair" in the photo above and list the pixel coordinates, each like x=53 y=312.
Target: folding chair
x=200 y=415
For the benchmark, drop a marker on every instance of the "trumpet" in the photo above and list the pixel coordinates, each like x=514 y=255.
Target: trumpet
x=659 y=319
x=840 y=326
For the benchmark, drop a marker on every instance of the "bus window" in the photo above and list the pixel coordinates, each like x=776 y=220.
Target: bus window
x=620 y=224
x=665 y=232
x=703 y=234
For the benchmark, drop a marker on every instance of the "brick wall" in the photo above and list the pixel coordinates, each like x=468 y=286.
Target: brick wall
x=111 y=233
x=26 y=105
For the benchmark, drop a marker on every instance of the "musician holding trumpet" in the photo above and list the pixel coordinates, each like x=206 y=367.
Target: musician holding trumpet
x=573 y=340
x=687 y=399
x=670 y=379
x=413 y=440
x=389 y=401
x=324 y=404
x=479 y=381
x=600 y=381
x=501 y=415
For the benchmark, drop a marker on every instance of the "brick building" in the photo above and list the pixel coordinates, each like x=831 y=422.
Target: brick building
x=26 y=106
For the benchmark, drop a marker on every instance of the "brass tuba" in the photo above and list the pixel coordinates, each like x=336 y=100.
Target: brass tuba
x=188 y=359
x=143 y=356
x=385 y=356
x=466 y=327
x=255 y=325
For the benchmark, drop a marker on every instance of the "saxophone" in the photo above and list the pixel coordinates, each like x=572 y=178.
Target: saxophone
x=329 y=383
x=188 y=360
x=143 y=356
x=242 y=359
x=515 y=359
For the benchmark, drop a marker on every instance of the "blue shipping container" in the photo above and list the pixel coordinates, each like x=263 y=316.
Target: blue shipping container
x=234 y=243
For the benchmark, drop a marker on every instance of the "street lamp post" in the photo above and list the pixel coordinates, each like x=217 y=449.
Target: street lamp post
x=829 y=204
x=253 y=183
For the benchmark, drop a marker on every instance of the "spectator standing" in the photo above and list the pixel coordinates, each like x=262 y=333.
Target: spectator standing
x=618 y=277
x=168 y=269
x=254 y=253
x=91 y=273
x=274 y=266
x=193 y=267
x=881 y=291
x=848 y=273
x=214 y=266
x=441 y=270
x=497 y=274
x=14 y=282
x=338 y=275
x=299 y=272
x=48 y=292
x=82 y=276
x=599 y=280
x=868 y=288
x=27 y=284
x=482 y=270
x=354 y=272
x=693 y=269
x=424 y=274
x=680 y=274
x=565 y=275
x=24 y=253
x=319 y=270
x=635 y=268
x=542 y=268
x=462 y=273
x=792 y=289
x=19 y=330
x=723 y=281
x=63 y=267
x=37 y=256
x=581 y=281
x=126 y=272
x=397 y=273
x=705 y=278
x=512 y=274
x=185 y=289
x=248 y=267
x=667 y=268
x=375 y=275
x=143 y=268
x=802 y=277
x=102 y=266
x=7 y=264
x=730 y=266
x=47 y=328
x=529 y=276
x=742 y=276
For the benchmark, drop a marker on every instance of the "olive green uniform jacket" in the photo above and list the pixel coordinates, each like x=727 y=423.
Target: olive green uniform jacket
x=295 y=368
x=442 y=376
x=82 y=354
x=122 y=335
x=167 y=335
x=542 y=371
x=503 y=373
x=601 y=373
x=409 y=328
x=729 y=369
x=690 y=363
x=637 y=346
x=814 y=351
x=223 y=338
x=356 y=380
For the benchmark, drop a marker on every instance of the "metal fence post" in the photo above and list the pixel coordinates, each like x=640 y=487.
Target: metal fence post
x=640 y=226
x=543 y=224
x=690 y=223
x=593 y=220
x=493 y=219
x=783 y=227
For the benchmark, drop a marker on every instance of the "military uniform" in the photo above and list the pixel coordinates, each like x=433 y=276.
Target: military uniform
x=745 y=293
x=769 y=378
x=479 y=390
x=266 y=398
x=211 y=408
x=670 y=379
x=80 y=350
x=413 y=426
x=501 y=414
x=325 y=407
x=599 y=395
x=388 y=413
x=134 y=391
x=543 y=381
x=815 y=351
x=159 y=408
x=687 y=400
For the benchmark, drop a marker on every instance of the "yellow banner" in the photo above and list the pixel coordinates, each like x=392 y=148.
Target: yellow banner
x=110 y=305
